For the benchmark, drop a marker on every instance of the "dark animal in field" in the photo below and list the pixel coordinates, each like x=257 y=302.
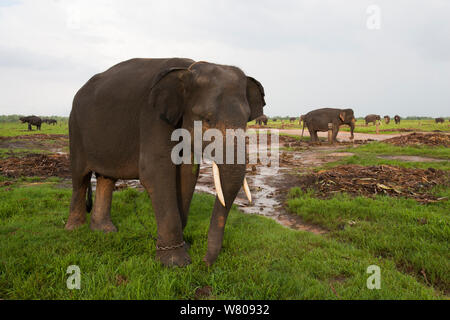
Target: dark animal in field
x=292 y=119
x=262 y=119
x=318 y=120
x=120 y=127
x=387 y=119
x=372 y=118
x=397 y=119
x=439 y=120
x=50 y=121
x=32 y=120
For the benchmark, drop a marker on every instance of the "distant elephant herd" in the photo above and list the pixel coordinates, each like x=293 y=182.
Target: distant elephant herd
x=326 y=119
x=36 y=121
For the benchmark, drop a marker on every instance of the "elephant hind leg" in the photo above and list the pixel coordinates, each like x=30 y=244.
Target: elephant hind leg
x=77 y=216
x=101 y=216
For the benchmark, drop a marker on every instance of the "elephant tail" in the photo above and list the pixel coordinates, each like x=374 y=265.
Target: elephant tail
x=89 y=198
x=303 y=127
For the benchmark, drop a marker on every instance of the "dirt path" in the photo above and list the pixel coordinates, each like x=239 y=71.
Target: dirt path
x=345 y=136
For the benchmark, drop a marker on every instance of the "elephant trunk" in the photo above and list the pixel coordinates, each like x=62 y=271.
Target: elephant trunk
x=231 y=179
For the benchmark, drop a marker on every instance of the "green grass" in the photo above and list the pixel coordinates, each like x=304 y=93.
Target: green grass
x=387 y=227
x=12 y=129
x=369 y=155
x=373 y=160
x=418 y=125
x=260 y=259
x=381 y=148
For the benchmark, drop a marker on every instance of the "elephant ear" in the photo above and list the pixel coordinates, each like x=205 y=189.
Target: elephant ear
x=255 y=98
x=167 y=94
x=342 y=116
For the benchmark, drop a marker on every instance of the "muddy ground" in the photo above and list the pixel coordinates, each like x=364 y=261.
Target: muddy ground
x=269 y=184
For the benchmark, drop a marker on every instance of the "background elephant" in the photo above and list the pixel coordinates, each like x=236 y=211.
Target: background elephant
x=372 y=118
x=302 y=118
x=292 y=119
x=32 y=120
x=318 y=120
x=387 y=119
x=439 y=120
x=262 y=119
x=397 y=119
x=120 y=127
x=50 y=121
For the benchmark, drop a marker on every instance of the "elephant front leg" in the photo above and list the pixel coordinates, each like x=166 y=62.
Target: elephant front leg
x=160 y=183
x=335 y=133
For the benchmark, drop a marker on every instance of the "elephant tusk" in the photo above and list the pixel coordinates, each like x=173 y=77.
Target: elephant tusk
x=247 y=190
x=217 y=183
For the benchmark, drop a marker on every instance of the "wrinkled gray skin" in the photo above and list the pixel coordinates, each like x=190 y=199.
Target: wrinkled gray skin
x=397 y=119
x=32 y=120
x=372 y=118
x=317 y=120
x=387 y=119
x=262 y=119
x=120 y=127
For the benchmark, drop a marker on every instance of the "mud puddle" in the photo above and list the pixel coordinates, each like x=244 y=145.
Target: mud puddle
x=270 y=185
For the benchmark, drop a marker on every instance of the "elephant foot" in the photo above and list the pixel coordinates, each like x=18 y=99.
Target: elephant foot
x=174 y=258
x=105 y=226
x=74 y=222
x=209 y=259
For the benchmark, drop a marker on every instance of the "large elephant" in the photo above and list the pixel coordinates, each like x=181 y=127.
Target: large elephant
x=372 y=118
x=397 y=119
x=32 y=120
x=262 y=119
x=387 y=119
x=318 y=120
x=120 y=127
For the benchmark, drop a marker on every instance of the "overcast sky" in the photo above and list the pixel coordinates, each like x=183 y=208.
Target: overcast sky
x=307 y=54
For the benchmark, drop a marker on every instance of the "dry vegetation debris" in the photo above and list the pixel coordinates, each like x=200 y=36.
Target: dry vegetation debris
x=369 y=181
